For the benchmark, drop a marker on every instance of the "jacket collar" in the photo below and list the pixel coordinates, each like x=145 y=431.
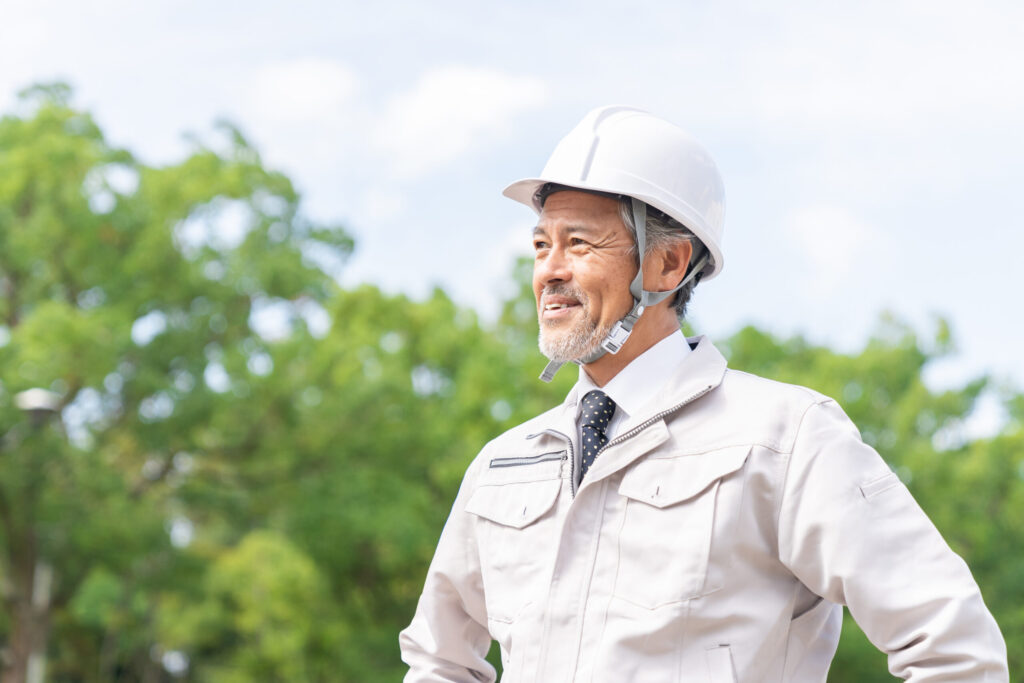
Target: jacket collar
x=639 y=381
x=699 y=372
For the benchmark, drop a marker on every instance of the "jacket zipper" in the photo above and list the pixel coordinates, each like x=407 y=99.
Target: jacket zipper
x=621 y=437
x=533 y=459
x=640 y=427
x=572 y=453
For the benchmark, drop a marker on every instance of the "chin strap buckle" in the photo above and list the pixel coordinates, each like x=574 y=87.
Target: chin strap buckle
x=619 y=333
x=616 y=338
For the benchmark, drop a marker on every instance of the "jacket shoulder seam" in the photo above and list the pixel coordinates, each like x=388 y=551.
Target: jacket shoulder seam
x=785 y=474
x=816 y=396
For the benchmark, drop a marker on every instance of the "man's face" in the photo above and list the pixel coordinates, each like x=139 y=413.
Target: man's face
x=581 y=273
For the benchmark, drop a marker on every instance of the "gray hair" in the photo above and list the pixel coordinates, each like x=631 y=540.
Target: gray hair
x=663 y=231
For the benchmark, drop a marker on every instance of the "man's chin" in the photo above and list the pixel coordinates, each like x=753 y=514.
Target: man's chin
x=568 y=347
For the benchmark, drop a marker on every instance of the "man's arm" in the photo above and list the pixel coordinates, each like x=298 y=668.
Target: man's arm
x=448 y=638
x=852 y=533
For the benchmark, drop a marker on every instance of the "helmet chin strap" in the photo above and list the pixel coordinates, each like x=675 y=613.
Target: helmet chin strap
x=642 y=299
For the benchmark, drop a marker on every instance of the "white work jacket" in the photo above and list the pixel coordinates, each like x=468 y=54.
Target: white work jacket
x=714 y=539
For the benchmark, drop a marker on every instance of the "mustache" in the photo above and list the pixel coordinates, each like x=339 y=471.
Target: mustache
x=565 y=290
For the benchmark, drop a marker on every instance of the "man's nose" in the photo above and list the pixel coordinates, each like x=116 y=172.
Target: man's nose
x=553 y=267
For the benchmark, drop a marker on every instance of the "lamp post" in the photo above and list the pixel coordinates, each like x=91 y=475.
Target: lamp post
x=39 y=405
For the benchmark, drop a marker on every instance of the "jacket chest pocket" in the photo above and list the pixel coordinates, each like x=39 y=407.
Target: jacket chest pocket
x=515 y=506
x=669 y=520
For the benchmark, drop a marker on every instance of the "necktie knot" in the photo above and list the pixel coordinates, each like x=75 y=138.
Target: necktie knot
x=597 y=411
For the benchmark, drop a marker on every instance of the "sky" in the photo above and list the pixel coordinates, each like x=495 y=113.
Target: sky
x=872 y=152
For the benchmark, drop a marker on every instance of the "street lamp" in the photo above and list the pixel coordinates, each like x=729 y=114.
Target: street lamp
x=39 y=405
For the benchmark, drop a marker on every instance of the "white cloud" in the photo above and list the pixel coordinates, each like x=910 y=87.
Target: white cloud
x=495 y=267
x=23 y=33
x=303 y=90
x=834 y=242
x=382 y=205
x=449 y=111
x=888 y=66
x=305 y=114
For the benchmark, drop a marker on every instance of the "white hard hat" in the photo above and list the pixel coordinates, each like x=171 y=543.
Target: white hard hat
x=627 y=151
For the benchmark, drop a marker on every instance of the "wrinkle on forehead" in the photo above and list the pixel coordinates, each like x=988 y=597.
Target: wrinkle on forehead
x=582 y=213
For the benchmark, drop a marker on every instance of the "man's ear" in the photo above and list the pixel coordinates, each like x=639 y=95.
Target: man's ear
x=670 y=264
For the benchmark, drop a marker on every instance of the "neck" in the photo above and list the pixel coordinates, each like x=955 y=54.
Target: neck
x=647 y=332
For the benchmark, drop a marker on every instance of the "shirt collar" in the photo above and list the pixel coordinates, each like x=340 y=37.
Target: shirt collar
x=639 y=381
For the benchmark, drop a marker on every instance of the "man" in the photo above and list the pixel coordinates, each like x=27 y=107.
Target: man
x=674 y=520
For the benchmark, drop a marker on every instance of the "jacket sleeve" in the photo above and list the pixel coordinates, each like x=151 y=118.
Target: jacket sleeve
x=852 y=533
x=448 y=638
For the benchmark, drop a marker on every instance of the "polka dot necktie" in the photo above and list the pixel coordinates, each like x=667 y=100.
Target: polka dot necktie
x=597 y=413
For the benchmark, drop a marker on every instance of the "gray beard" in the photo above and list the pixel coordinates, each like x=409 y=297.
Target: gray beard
x=579 y=341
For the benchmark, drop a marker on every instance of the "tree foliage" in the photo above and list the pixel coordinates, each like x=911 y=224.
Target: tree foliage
x=134 y=293
x=250 y=466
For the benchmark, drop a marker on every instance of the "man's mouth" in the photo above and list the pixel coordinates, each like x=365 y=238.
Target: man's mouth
x=562 y=307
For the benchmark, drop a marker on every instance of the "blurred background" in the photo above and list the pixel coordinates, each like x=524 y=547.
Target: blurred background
x=261 y=300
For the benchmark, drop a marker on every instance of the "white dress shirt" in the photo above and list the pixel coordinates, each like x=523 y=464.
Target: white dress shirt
x=636 y=383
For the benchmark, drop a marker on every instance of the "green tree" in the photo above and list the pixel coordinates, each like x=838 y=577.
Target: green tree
x=360 y=472
x=344 y=428
x=261 y=616
x=132 y=292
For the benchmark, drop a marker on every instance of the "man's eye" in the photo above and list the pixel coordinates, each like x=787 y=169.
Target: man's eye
x=576 y=241
x=538 y=245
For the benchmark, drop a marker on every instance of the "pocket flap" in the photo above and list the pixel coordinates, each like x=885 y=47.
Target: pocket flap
x=666 y=481
x=516 y=505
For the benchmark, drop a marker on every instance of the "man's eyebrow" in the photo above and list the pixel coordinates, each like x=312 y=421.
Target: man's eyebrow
x=585 y=229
